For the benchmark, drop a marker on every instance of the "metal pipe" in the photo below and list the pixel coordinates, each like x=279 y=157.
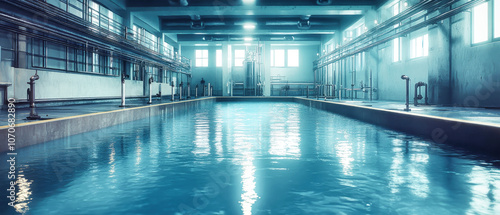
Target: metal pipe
x=180 y=91
x=417 y=96
x=33 y=115
x=150 y=89
x=371 y=86
x=196 y=92
x=124 y=76
x=404 y=77
x=208 y=89
x=173 y=93
x=188 y=90
x=352 y=76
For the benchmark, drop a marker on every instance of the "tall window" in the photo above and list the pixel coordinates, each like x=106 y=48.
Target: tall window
x=201 y=58
x=218 y=58
x=419 y=47
x=239 y=57
x=496 y=18
x=278 y=58
x=480 y=23
x=396 y=43
x=293 y=58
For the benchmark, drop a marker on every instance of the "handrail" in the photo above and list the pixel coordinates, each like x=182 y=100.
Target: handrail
x=71 y=21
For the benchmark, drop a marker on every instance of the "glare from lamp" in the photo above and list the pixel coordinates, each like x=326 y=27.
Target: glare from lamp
x=249 y=26
x=248 y=39
x=248 y=1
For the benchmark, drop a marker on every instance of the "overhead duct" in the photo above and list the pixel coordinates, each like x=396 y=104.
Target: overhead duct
x=323 y=2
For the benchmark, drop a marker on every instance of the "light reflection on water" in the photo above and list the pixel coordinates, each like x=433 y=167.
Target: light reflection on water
x=250 y=158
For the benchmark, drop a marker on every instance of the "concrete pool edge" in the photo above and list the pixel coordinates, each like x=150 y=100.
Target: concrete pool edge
x=41 y=131
x=474 y=136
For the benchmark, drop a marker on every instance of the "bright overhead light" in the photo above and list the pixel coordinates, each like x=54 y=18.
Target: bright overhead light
x=248 y=44
x=249 y=26
x=248 y=39
x=248 y=1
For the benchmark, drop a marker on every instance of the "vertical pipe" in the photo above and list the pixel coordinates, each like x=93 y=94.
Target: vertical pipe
x=173 y=93
x=208 y=89
x=352 y=76
x=196 y=92
x=407 y=79
x=123 y=90
x=180 y=91
x=371 y=86
x=341 y=65
x=188 y=90
x=150 y=88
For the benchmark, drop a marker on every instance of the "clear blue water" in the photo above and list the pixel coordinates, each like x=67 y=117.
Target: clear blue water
x=250 y=158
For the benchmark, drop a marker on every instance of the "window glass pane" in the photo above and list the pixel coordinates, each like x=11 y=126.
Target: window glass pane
x=395 y=44
x=218 y=58
x=412 y=48
x=293 y=57
x=239 y=57
x=272 y=57
x=480 y=23
x=418 y=46
x=395 y=9
x=496 y=18
x=279 y=57
x=201 y=58
x=426 y=45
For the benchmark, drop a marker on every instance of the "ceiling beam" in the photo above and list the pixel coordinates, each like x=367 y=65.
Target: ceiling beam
x=254 y=32
x=257 y=10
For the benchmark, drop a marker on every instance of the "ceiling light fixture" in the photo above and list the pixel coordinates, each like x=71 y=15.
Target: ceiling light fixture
x=249 y=26
x=248 y=1
x=248 y=39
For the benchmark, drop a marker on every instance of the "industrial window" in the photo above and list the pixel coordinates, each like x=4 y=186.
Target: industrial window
x=201 y=58
x=496 y=18
x=419 y=47
x=218 y=58
x=239 y=57
x=278 y=58
x=293 y=58
x=480 y=23
x=136 y=72
x=396 y=43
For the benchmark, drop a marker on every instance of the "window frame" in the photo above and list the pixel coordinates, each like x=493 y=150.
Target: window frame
x=236 y=58
x=218 y=58
x=288 y=58
x=491 y=23
x=273 y=57
x=424 y=45
x=203 y=59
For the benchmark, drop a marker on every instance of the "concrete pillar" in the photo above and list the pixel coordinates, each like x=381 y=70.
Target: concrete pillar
x=439 y=63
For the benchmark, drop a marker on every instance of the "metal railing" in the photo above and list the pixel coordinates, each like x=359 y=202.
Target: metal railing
x=402 y=24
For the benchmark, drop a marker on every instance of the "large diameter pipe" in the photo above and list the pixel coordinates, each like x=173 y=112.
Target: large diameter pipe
x=188 y=90
x=123 y=91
